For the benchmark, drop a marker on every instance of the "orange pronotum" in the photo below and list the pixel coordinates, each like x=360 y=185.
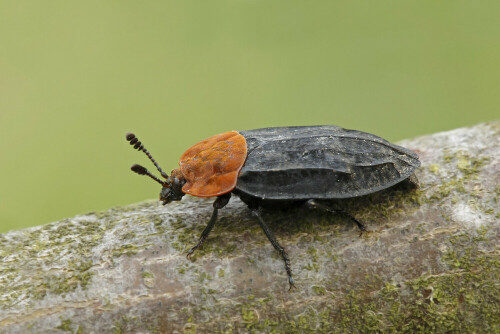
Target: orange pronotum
x=211 y=167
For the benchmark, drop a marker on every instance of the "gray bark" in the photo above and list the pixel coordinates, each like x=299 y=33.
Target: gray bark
x=430 y=261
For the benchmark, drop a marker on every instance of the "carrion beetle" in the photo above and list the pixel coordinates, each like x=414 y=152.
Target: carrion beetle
x=283 y=165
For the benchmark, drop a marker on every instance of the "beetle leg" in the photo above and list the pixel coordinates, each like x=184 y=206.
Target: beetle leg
x=322 y=206
x=219 y=203
x=276 y=245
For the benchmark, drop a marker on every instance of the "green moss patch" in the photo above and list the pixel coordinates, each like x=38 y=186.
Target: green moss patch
x=463 y=299
x=25 y=259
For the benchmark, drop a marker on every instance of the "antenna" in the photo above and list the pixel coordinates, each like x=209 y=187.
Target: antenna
x=143 y=171
x=132 y=139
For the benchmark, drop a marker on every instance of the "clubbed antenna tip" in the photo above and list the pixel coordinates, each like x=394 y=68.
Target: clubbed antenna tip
x=143 y=171
x=139 y=169
x=132 y=139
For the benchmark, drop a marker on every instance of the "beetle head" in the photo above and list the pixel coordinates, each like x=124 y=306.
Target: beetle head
x=172 y=186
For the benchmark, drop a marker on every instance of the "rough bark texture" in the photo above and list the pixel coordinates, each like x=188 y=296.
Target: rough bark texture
x=430 y=261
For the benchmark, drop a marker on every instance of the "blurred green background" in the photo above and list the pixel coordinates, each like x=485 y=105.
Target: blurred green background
x=76 y=75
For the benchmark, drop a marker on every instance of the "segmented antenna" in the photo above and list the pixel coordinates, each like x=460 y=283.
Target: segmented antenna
x=132 y=139
x=143 y=171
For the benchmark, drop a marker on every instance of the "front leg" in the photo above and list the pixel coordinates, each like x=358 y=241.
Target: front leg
x=219 y=203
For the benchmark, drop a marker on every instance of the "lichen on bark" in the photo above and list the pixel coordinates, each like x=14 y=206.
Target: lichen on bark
x=429 y=263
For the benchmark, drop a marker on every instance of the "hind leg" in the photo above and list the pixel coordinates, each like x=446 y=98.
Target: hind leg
x=315 y=204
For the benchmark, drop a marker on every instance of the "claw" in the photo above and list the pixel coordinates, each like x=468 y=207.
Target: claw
x=361 y=229
x=190 y=252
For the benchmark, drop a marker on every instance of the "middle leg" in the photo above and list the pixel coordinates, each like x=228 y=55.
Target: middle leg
x=276 y=245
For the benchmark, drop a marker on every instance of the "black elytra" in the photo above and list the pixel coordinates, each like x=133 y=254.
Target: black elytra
x=296 y=165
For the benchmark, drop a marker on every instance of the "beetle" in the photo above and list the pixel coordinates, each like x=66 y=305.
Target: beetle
x=269 y=167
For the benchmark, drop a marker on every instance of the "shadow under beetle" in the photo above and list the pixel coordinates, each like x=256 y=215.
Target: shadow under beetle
x=283 y=165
